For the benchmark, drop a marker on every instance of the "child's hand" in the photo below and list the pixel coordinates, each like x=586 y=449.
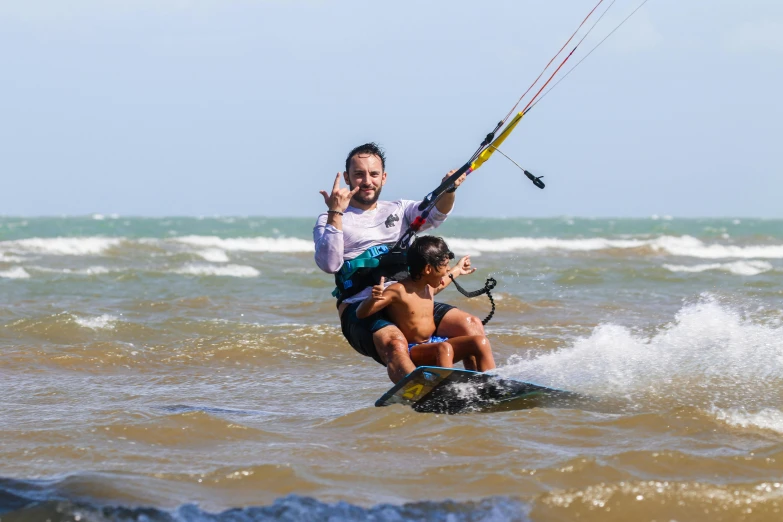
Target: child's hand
x=376 y=301
x=463 y=267
x=377 y=290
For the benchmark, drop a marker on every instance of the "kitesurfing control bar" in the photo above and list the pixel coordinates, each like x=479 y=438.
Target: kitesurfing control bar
x=479 y=158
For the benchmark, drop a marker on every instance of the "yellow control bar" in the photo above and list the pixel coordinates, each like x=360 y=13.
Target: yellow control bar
x=486 y=153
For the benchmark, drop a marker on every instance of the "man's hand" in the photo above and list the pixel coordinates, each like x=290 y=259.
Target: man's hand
x=459 y=179
x=446 y=201
x=463 y=267
x=340 y=198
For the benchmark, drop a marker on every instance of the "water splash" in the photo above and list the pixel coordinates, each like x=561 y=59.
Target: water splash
x=765 y=419
x=711 y=356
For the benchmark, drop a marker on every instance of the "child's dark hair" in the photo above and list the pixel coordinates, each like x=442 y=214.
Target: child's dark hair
x=427 y=250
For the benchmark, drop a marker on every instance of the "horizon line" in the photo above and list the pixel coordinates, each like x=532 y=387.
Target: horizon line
x=97 y=216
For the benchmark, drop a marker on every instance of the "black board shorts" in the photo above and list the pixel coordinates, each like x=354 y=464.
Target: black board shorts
x=358 y=332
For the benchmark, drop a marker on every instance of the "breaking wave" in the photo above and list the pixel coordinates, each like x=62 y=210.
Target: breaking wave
x=39 y=500
x=16 y=272
x=685 y=246
x=224 y=270
x=250 y=244
x=214 y=248
x=742 y=268
x=61 y=246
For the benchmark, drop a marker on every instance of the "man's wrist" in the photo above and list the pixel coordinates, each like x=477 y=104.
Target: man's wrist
x=338 y=212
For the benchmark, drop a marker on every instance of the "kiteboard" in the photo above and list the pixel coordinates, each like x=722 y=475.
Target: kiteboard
x=431 y=389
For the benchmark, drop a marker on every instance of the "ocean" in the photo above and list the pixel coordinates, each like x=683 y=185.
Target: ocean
x=192 y=369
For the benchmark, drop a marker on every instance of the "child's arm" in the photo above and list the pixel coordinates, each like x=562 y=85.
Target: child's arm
x=462 y=267
x=378 y=300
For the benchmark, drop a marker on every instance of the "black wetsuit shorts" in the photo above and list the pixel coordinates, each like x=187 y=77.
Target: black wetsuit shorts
x=358 y=332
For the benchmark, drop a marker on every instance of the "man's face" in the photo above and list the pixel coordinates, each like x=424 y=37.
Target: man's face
x=366 y=172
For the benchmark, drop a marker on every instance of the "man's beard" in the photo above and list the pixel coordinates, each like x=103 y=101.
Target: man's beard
x=366 y=201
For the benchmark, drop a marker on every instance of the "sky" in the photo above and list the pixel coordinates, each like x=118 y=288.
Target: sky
x=240 y=107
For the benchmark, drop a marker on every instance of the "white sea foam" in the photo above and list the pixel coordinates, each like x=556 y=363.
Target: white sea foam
x=64 y=246
x=767 y=418
x=692 y=247
x=92 y=270
x=225 y=270
x=213 y=255
x=213 y=248
x=686 y=246
x=250 y=244
x=511 y=244
x=710 y=357
x=742 y=268
x=102 y=322
x=16 y=272
x=11 y=259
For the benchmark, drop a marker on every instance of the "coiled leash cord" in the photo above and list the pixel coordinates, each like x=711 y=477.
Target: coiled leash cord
x=488 y=286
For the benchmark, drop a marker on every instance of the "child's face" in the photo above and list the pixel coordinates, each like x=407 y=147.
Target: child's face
x=436 y=275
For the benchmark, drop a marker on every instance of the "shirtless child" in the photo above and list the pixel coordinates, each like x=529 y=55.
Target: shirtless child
x=409 y=305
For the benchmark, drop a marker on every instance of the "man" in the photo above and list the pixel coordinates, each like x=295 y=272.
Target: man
x=356 y=221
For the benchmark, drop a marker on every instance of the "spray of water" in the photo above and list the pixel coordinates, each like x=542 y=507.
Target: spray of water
x=711 y=356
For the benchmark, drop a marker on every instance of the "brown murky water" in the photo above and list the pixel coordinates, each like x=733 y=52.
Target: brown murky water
x=148 y=376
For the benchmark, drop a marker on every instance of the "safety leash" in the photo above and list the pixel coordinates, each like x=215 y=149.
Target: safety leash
x=488 y=286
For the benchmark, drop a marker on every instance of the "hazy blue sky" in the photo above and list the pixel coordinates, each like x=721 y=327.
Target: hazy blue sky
x=238 y=107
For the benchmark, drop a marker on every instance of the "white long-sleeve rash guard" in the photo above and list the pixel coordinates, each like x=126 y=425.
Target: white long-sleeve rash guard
x=363 y=229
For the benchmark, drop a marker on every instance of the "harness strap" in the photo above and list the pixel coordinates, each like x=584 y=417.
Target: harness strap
x=367 y=259
x=366 y=270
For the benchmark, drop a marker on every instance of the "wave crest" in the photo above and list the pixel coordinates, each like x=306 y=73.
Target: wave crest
x=686 y=246
x=250 y=244
x=742 y=268
x=225 y=270
x=62 y=246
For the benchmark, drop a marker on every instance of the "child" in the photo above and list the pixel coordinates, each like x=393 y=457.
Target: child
x=409 y=305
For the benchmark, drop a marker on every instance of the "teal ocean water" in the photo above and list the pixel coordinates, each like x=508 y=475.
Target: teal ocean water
x=193 y=369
